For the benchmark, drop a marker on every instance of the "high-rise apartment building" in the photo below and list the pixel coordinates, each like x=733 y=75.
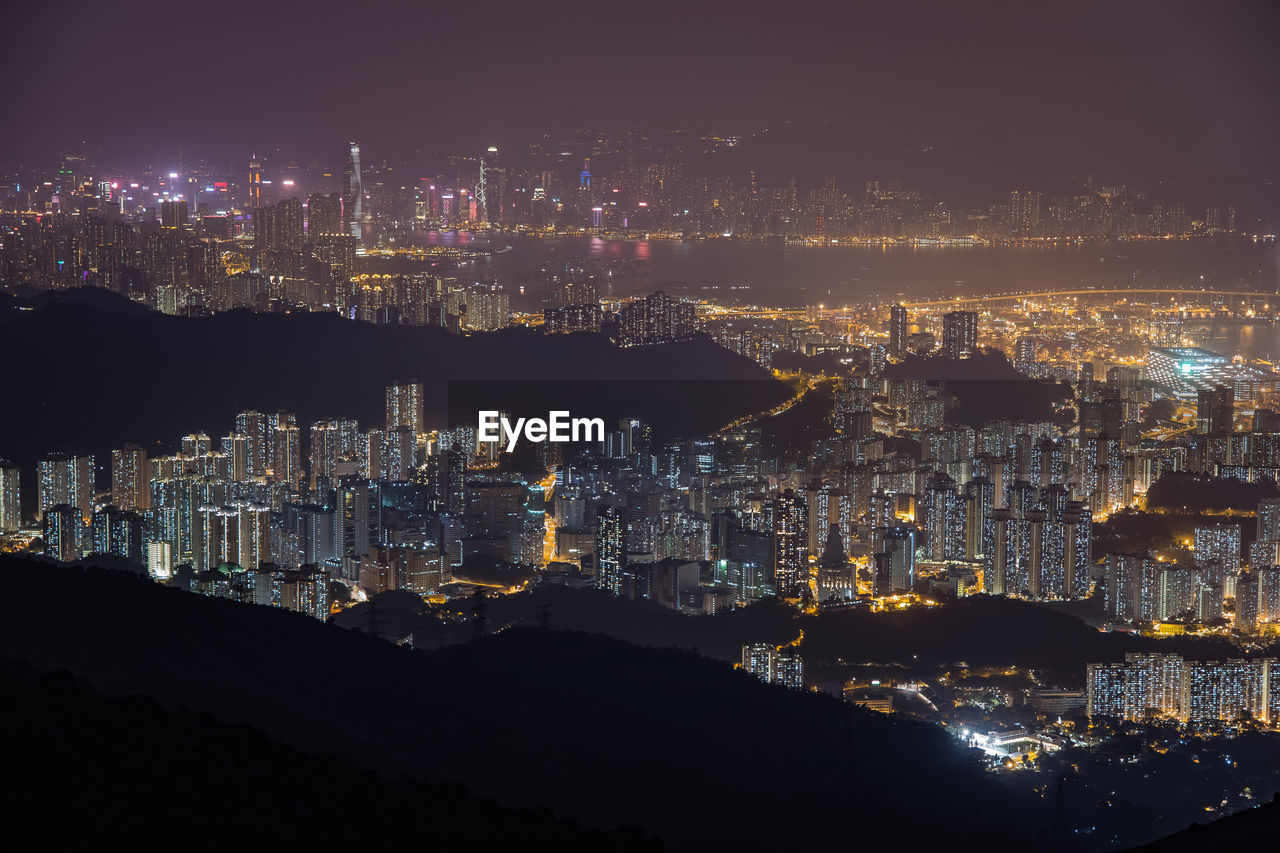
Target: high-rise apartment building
x=959 y=334
x=1147 y=686
x=130 y=478
x=1218 y=543
x=286 y=454
x=64 y=529
x=790 y=544
x=10 y=497
x=899 y=324
x=773 y=665
x=611 y=548
x=404 y=406
x=64 y=478
x=1215 y=410
x=324 y=214
x=656 y=319
x=325 y=452
x=488 y=309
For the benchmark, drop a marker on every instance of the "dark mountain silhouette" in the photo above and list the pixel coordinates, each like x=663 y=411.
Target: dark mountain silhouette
x=696 y=753
x=989 y=366
x=131 y=769
x=87 y=297
x=977 y=630
x=987 y=388
x=1179 y=490
x=643 y=623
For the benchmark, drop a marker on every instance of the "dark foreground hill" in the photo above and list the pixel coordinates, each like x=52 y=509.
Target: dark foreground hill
x=93 y=772
x=694 y=752
x=1246 y=830
x=90 y=374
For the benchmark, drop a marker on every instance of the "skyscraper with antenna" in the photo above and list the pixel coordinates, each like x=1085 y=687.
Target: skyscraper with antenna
x=482 y=186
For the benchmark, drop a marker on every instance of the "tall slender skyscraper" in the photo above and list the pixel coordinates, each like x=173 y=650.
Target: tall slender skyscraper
x=130 y=478
x=325 y=438
x=255 y=188
x=404 y=406
x=611 y=550
x=791 y=544
x=10 y=497
x=352 y=190
x=898 y=331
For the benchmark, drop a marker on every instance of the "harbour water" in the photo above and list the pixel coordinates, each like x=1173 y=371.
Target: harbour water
x=777 y=274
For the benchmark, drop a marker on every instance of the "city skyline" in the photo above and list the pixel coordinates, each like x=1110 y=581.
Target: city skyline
x=1000 y=93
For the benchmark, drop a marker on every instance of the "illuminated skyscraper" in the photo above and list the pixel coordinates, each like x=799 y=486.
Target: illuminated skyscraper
x=286 y=457
x=1025 y=354
x=118 y=532
x=255 y=428
x=325 y=453
x=495 y=517
x=898 y=325
x=10 y=497
x=586 y=195
x=1024 y=213
x=1145 y=685
x=175 y=502
x=279 y=227
x=896 y=565
x=324 y=214
x=160 y=559
x=236 y=447
x=173 y=213
x=1215 y=410
x=487 y=309
x=773 y=665
x=959 y=334
x=446 y=481
x=351 y=518
x=64 y=478
x=255 y=187
x=791 y=544
x=63 y=529
x=195 y=445
x=1269 y=520
x=611 y=549
x=130 y=478
x=942 y=517
x=657 y=319
x=404 y=406
x=1218 y=543
x=399 y=450
x=352 y=190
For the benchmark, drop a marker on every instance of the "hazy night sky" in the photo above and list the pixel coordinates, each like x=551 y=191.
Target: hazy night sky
x=1147 y=91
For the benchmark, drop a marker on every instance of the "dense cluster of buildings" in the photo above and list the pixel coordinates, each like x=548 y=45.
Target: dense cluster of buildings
x=892 y=498
x=774 y=665
x=1166 y=686
x=280 y=232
